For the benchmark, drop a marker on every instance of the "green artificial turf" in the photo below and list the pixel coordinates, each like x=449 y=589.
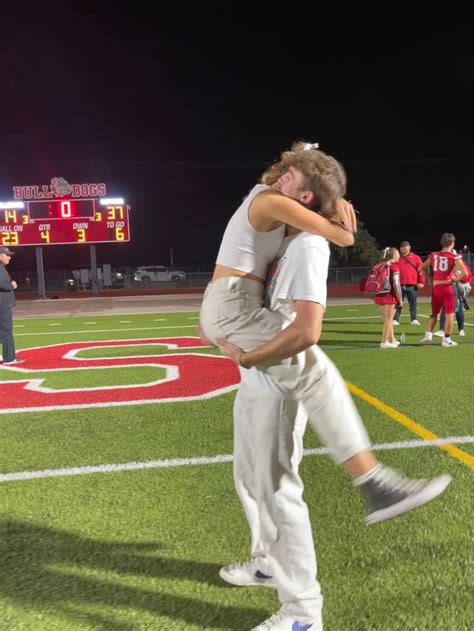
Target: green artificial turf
x=141 y=550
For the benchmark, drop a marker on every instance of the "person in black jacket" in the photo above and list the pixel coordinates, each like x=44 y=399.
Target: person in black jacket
x=7 y=302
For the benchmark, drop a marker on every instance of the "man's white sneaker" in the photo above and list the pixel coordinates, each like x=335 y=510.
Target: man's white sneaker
x=439 y=333
x=462 y=333
x=396 y=323
x=426 y=340
x=245 y=575
x=388 y=345
x=449 y=342
x=284 y=620
x=415 y=323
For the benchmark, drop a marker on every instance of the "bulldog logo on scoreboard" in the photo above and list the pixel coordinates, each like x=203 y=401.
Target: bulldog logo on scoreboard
x=188 y=376
x=60 y=187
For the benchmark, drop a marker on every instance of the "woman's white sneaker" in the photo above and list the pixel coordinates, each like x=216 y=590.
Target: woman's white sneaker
x=447 y=341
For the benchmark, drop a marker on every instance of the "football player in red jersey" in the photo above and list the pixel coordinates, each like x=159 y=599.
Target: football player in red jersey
x=446 y=269
x=463 y=289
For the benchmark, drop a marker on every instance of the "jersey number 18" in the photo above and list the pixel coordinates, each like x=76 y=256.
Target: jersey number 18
x=440 y=263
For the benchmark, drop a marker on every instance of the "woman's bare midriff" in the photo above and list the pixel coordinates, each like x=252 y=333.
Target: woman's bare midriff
x=220 y=271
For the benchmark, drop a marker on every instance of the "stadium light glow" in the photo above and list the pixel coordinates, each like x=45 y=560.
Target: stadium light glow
x=11 y=205
x=111 y=200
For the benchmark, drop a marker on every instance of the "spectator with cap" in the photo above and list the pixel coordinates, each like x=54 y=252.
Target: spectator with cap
x=7 y=302
x=411 y=279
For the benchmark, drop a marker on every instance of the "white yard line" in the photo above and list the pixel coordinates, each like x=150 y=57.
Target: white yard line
x=374 y=317
x=421 y=315
x=187 y=462
x=144 y=328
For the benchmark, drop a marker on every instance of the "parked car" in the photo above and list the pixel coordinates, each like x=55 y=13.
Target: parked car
x=157 y=273
x=75 y=281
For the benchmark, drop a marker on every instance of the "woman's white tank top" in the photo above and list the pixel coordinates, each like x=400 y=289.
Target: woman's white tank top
x=244 y=248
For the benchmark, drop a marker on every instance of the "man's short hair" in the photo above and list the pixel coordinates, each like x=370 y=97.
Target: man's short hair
x=447 y=239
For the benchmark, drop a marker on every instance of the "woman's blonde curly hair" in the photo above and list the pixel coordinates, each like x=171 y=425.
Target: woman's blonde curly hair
x=323 y=175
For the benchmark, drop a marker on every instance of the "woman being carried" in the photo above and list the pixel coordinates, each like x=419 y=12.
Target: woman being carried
x=302 y=190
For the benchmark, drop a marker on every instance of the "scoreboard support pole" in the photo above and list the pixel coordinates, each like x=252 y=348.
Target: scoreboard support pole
x=40 y=272
x=94 y=275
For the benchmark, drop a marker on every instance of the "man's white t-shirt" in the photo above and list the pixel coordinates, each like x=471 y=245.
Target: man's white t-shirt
x=298 y=273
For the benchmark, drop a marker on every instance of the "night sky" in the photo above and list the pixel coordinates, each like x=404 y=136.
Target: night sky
x=180 y=113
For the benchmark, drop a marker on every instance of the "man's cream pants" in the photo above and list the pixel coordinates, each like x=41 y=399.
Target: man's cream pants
x=268 y=447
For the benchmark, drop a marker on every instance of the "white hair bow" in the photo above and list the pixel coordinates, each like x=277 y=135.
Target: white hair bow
x=385 y=252
x=309 y=146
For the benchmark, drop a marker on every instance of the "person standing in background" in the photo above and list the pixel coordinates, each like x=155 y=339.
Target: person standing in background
x=463 y=290
x=411 y=279
x=7 y=302
x=388 y=301
x=447 y=268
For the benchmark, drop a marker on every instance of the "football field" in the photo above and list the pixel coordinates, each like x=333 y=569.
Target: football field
x=117 y=499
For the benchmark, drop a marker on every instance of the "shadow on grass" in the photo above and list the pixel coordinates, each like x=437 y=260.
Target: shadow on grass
x=365 y=344
x=412 y=334
x=52 y=571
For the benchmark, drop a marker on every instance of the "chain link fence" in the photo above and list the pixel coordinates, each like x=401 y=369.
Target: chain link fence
x=155 y=277
x=78 y=281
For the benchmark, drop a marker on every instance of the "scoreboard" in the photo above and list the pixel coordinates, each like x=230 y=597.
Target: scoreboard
x=63 y=221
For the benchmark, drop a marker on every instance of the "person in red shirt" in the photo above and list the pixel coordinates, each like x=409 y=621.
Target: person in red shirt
x=463 y=290
x=411 y=279
x=389 y=301
x=446 y=268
